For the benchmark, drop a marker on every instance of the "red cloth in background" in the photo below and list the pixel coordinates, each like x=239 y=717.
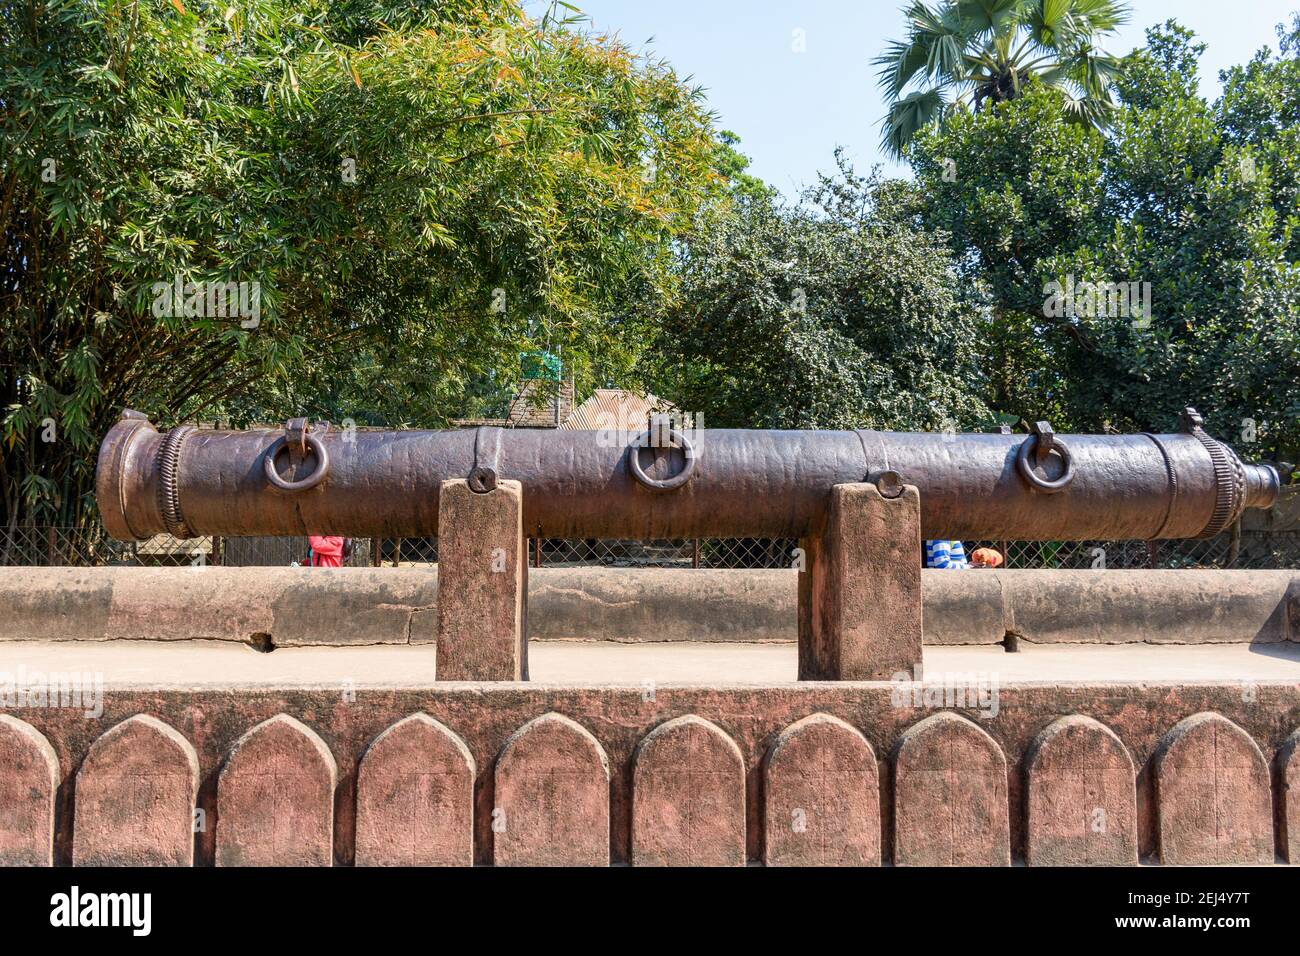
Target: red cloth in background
x=326 y=551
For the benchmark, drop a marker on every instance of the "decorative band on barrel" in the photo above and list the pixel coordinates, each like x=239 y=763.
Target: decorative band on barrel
x=1172 y=474
x=169 y=495
x=1229 y=485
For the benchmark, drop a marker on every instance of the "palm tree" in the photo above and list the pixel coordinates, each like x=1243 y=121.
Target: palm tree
x=976 y=53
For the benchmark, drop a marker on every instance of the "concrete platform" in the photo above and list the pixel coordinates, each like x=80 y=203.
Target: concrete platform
x=212 y=664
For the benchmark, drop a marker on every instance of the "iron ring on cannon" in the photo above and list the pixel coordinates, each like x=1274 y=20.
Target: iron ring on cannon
x=675 y=440
x=298 y=430
x=1042 y=442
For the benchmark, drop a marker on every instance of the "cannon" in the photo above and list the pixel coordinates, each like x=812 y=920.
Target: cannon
x=677 y=484
x=860 y=503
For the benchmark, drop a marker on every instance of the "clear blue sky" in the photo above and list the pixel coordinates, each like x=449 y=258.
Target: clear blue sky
x=791 y=109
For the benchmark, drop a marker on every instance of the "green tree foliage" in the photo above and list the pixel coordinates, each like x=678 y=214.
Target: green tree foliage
x=962 y=54
x=1260 y=109
x=421 y=190
x=841 y=312
x=732 y=164
x=1180 y=194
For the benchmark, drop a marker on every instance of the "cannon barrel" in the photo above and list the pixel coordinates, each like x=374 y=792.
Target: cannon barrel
x=727 y=483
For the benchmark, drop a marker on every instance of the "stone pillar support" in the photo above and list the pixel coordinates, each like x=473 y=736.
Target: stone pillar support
x=860 y=585
x=482 y=583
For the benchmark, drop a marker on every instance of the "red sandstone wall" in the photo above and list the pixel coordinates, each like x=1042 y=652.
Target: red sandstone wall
x=527 y=775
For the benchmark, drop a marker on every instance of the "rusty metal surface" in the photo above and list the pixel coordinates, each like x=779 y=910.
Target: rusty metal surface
x=581 y=484
x=487 y=460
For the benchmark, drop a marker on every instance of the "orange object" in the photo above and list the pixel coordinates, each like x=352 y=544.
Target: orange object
x=986 y=558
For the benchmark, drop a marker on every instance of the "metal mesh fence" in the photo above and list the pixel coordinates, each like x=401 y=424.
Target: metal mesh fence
x=684 y=553
x=47 y=546
x=1277 y=550
x=1240 y=551
x=54 y=546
